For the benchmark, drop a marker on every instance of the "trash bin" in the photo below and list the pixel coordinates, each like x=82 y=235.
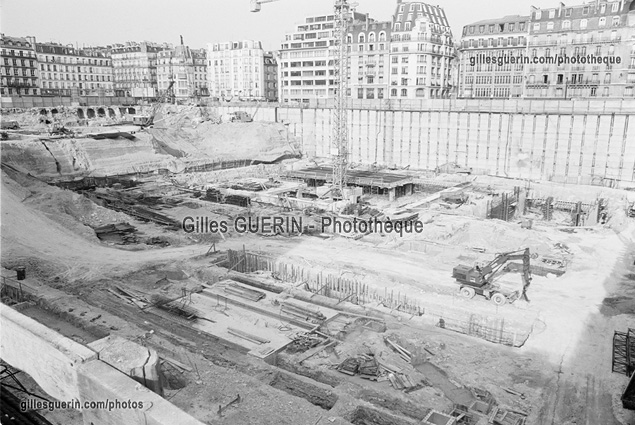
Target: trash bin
x=21 y=272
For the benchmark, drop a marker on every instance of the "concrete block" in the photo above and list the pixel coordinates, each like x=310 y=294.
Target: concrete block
x=130 y=402
x=140 y=363
x=48 y=357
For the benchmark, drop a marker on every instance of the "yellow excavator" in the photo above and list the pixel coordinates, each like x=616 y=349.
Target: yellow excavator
x=480 y=280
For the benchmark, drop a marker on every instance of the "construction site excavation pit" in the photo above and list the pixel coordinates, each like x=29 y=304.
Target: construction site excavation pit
x=464 y=298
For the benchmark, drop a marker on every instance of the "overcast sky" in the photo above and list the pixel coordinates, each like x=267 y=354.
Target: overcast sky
x=102 y=22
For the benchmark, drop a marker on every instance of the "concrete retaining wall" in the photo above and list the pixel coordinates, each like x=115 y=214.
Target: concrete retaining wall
x=48 y=357
x=67 y=371
x=577 y=147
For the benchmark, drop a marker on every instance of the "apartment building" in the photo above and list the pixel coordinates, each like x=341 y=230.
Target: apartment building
x=182 y=73
x=421 y=52
x=368 y=44
x=306 y=59
x=271 y=77
x=486 y=67
x=135 y=68
x=585 y=33
x=236 y=70
x=20 y=73
x=68 y=71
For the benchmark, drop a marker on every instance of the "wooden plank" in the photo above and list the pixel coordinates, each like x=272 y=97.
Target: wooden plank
x=315 y=351
x=246 y=335
x=177 y=363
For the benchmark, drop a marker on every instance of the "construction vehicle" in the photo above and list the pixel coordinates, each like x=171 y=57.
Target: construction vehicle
x=481 y=280
x=239 y=116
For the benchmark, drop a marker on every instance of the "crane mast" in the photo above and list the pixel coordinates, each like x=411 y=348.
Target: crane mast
x=339 y=140
x=340 y=114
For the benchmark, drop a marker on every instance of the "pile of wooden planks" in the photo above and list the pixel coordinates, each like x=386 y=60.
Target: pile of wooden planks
x=400 y=381
x=129 y=296
x=403 y=353
x=302 y=312
x=241 y=291
x=247 y=336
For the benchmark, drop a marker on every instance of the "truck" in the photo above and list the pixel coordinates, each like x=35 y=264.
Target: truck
x=9 y=125
x=240 y=116
x=481 y=280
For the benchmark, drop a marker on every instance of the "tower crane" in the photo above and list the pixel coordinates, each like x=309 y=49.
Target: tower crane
x=339 y=139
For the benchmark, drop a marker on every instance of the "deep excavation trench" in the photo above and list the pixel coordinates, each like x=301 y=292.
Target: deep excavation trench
x=363 y=415
x=297 y=387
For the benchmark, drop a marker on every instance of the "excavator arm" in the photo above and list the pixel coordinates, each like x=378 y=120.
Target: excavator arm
x=488 y=271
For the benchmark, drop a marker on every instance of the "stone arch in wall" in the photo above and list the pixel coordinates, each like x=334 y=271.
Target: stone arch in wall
x=123 y=111
x=80 y=113
x=54 y=111
x=101 y=112
x=132 y=111
x=43 y=112
x=111 y=113
x=90 y=113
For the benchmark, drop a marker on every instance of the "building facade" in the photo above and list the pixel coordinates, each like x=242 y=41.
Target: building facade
x=306 y=60
x=368 y=44
x=421 y=52
x=69 y=71
x=182 y=73
x=20 y=72
x=236 y=70
x=499 y=40
x=270 y=83
x=135 y=68
x=598 y=30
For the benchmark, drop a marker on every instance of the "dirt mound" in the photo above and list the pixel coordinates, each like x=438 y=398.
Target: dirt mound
x=188 y=131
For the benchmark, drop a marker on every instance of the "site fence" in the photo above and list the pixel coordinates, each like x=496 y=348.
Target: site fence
x=490 y=328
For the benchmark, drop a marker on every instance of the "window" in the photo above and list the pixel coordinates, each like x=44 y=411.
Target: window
x=521 y=27
x=511 y=27
x=393 y=92
x=371 y=37
x=360 y=93
x=407 y=26
x=594 y=91
x=537 y=26
x=549 y=26
x=615 y=7
x=552 y=13
x=481 y=29
x=491 y=29
x=602 y=8
x=538 y=14
x=380 y=93
x=398 y=26
x=404 y=92
x=583 y=24
x=361 y=38
x=607 y=79
x=585 y=10
x=602 y=22
x=566 y=25
x=616 y=21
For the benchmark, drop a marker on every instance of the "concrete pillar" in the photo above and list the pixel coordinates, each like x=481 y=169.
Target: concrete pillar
x=129 y=404
x=409 y=189
x=392 y=195
x=138 y=362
